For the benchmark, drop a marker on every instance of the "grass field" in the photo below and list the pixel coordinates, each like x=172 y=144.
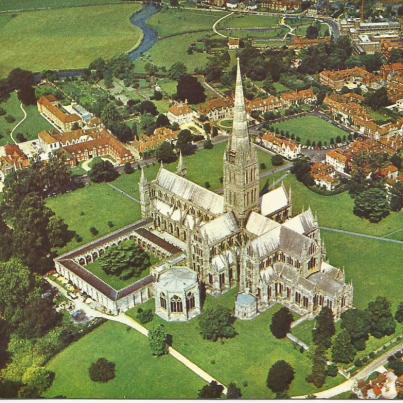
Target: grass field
x=310 y=128
x=168 y=51
x=246 y=358
x=66 y=38
x=139 y=375
x=94 y=206
x=174 y=21
x=33 y=124
x=16 y=5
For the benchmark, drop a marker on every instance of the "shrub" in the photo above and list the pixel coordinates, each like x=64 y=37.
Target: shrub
x=94 y=231
x=111 y=224
x=207 y=185
x=277 y=160
x=332 y=370
x=102 y=370
x=20 y=137
x=262 y=166
x=39 y=378
x=10 y=118
x=128 y=169
x=144 y=316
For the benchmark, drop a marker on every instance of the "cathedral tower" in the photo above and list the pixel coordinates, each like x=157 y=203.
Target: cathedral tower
x=144 y=188
x=241 y=168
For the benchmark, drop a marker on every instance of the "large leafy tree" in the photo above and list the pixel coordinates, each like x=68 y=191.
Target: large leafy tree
x=377 y=99
x=381 y=318
x=399 y=313
x=233 y=392
x=342 y=349
x=280 y=376
x=357 y=323
x=102 y=370
x=216 y=323
x=324 y=329
x=103 y=171
x=158 y=340
x=211 y=391
x=125 y=260
x=372 y=204
x=281 y=323
x=190 y=89
x=184 y=142
x=396 y=197
x=5 y=240
x=177 y=70
x=165 y=152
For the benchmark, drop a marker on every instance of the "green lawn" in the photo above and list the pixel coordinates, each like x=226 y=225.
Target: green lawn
x=66 y=38
x=94 y=206
x=173 y=21
x=326 y=206
x=16 y=5
x=168 y=51
x=226 y=123
x=310 y=128
x=168 y=86
x=139 y=375
x=244 y=359
x=33 y=124
x=280 y=87
x=114 y=281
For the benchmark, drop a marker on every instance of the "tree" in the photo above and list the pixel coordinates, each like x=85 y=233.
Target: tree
x=128 y=168
x=39 y=378
x=125 y=260
x=343 y=350
x=103 y=171
x=144 y=316
x=216 y=322
x=211 y=391
x=5 y=240
x=399 y=313
x=281 y=323
x=177 y=70
x=396 y=196
x=190 y=89
x=324 y=328
x=27 y=95
x=397 y=366
x=58 y=232
x=165 y=152
x=277 y=160
x=318 y=374
x=102 y=370
x=233 y=392
x=158 y=340
x=110 y=114
x=148 y=107
x=371 y=204
x=312 y=32
x=377 y=99
x=381 y=318
x=357 y=324
x=162 y=121
x=280 y=376
x=184 y=142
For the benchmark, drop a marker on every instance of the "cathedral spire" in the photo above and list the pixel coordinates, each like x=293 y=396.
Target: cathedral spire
x=143 y=179
x=239 y=138
x=181 y=168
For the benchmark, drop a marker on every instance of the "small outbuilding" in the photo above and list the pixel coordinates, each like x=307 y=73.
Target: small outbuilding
x=245 y=306
x=177 y=294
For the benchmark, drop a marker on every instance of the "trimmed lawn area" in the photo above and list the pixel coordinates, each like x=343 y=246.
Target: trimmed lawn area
x=168 y=51
x=174 y=21
x=280 y=87
x=249 y=21
x=168 y=86
x=246 y=358
x=36 y=40
x=139 y=375
x=16 y=5
x=93 y=206
x=375 y=267
x=31 y=126
x=304 y=331
x=310 y=128
x=326 y=206
x=114 y=281
x=226 y=123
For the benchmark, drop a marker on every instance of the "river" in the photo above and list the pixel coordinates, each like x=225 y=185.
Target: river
x=150 y=35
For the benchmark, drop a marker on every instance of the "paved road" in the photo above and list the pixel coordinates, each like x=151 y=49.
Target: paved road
x=18 y=124
x=360 y=235
x=362 y=374
x=128 y=321
x=217 y=22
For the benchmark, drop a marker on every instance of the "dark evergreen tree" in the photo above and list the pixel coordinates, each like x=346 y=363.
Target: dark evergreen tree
x=189 y=89
x=165 y=152
x=281 y=323
x=399 y=313
x=343 y=350
x=103 y=171
x=381 y=319
x=211 y=391
x=371 y=204
x=324 y=328
x=318 y=374
x=357 y=323
x=280 y=376
x=216 y=323
x=233 y=392
x=102 y=370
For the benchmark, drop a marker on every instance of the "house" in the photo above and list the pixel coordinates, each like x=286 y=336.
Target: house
x=324 y=175
x=389 y=45
x=233 y=43
x=285 y=147
x=50 y=108
x=180 y=113
x=148 y=143
x=336 y=80
x=217 y=108
x=394 y=68
x=337 y=159
x=50 y=141
x=298 y=97
x=282 y=5
x=300 y=42
x=389 y=172
x=385 y=386
x=232 y=4
x=394 y=87
x=12 y=158
x=268 y=104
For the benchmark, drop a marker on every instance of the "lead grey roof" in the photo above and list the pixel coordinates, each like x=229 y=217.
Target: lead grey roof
x=294 y=244
x=302 y=223
x=177 y=280
x=220 y=228
x=259 y=224
x=184 y=188
x=245 y=299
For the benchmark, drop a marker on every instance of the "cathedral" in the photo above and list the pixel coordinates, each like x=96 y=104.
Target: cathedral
x=243 y=239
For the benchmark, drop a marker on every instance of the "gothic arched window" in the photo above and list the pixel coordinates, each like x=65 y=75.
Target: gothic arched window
x=163 y=301
x=176 y=304
x=190 y=301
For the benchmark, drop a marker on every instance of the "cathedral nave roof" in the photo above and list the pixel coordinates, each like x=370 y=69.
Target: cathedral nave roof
x=294 y=244
x=273 y=201
x=220 y=228
x=184 y=188
x=302 y=223
x=259 y=224
x=326 y=283
x=267 y=243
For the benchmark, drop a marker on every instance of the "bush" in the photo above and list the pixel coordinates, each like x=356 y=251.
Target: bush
x=128 y=169
x=332 y=370
x=102 y=370
x=262 y=166
x=20 y=137
x=144 y=316
x=38 y=378
x=94 y=231
x=111 y=224
x=10 y=119
x=2 y=111
x=277 y=160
